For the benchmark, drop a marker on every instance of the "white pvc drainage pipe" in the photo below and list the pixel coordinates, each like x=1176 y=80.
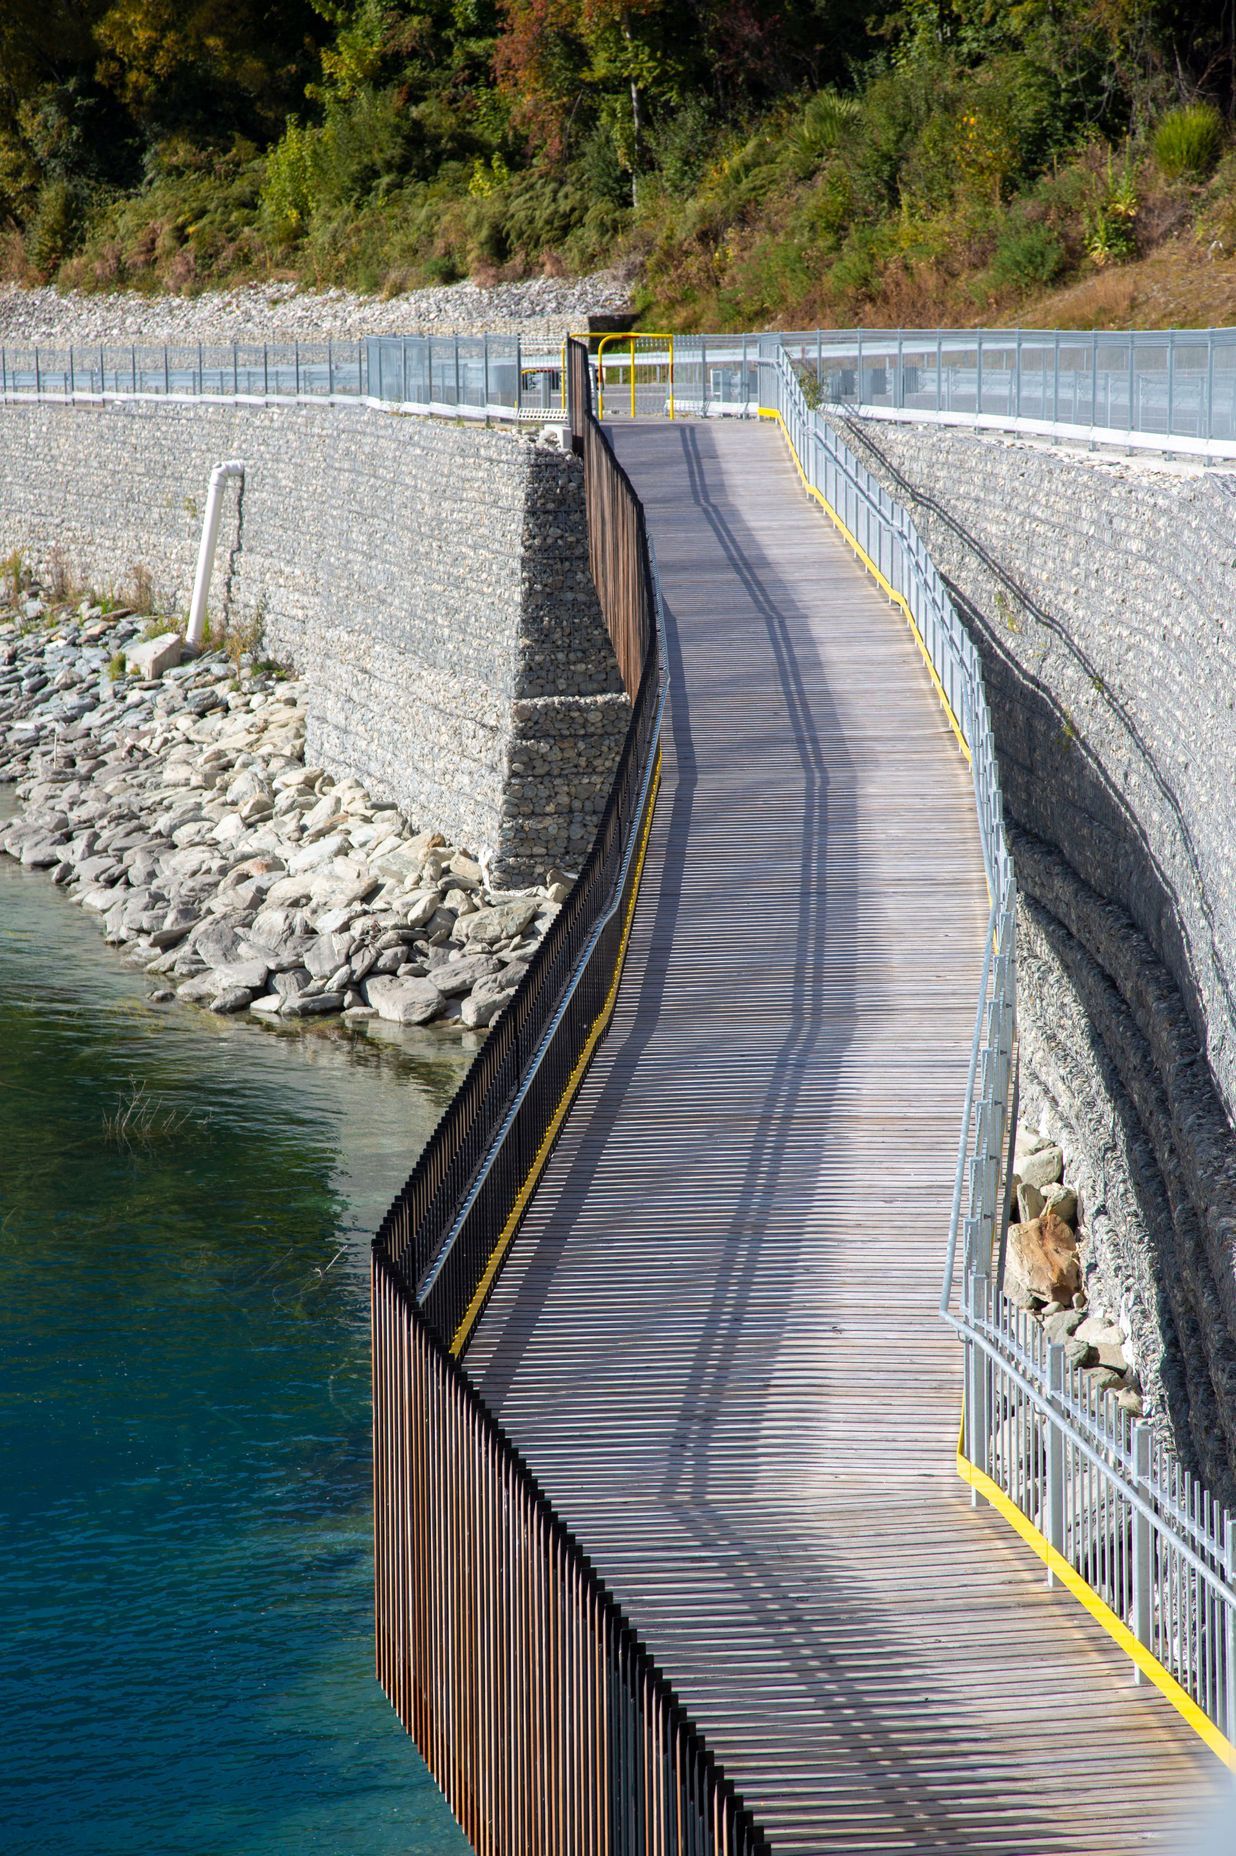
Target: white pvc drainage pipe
x=232 y=467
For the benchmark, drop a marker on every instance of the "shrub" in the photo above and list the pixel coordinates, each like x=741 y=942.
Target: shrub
x=141 y=589
x=54 y=228
x=14 y=576
x=1026 y=255
x=825 y=123
x=1188 y=141
x=1111 y=224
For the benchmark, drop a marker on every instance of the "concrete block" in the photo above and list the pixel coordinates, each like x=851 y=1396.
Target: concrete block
x=156 y=655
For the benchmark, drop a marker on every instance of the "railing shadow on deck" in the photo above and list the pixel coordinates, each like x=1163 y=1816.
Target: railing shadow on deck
x=535 y=1704
x=734 y=1550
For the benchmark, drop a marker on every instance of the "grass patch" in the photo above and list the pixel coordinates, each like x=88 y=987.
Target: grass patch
x=1188 y=142
x=140 y=1119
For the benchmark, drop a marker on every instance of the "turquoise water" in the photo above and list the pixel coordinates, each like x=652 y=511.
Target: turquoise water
x=185 y=1575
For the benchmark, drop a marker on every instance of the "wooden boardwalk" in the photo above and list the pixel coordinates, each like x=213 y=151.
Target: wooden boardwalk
x=716 y=1339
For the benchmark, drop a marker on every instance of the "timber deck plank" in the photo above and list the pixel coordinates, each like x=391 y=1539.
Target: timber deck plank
x=715 y=1340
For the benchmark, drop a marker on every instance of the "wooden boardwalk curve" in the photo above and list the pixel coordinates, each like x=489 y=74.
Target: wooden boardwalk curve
x=715 y=1340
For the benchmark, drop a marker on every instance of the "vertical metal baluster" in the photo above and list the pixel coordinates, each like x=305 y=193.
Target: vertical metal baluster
x=1055 y=1455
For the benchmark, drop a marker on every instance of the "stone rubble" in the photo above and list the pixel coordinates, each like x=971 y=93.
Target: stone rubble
x=541 y=308
x=179 y=809
x=1045 y=1272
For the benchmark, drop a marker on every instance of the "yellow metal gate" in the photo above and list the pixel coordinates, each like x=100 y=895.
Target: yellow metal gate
x=635 y=376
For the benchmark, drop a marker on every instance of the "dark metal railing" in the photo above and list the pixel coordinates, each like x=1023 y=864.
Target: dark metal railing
x=535 y=1704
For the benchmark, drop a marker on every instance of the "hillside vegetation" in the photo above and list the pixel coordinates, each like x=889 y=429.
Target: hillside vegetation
x=799 y=162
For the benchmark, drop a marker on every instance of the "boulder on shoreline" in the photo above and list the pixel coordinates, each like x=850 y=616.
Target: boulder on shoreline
x=177 y=806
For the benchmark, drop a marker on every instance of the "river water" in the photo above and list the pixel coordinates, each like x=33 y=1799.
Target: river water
x=185 y=1570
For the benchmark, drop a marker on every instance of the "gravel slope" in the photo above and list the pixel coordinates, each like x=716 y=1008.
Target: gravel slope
x=543 y=306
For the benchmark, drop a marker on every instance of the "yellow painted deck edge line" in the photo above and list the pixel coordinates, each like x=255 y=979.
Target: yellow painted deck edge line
x=599 y=1026
x=1102 y=1613
x=770 y=412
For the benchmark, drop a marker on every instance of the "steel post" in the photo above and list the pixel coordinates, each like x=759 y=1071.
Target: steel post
x=978 y=1413
x=1054 y=1528
x=1055 y=387
x=1229 y=1627
x=1208 y=429
x=1143 y=1543
x=1171 y=381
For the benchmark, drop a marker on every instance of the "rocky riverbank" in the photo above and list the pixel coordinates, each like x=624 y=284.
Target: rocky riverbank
x=540 y=308
x=171 y=798
x=1046 y=1272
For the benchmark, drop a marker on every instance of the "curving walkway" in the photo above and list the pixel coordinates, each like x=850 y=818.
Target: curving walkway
x=716 y=1339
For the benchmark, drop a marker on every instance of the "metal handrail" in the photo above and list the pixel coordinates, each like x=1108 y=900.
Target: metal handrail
x=1148 y=1550
x=1169 y=389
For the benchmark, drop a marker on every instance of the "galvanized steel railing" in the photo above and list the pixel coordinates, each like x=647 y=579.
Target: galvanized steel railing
x=236 y=370
x=1109 y=1509
x=1171 y=390
x=486 y=377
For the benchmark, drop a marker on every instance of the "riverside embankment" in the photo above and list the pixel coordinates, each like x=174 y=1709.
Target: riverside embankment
x=428 y=582
x=178 y=809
